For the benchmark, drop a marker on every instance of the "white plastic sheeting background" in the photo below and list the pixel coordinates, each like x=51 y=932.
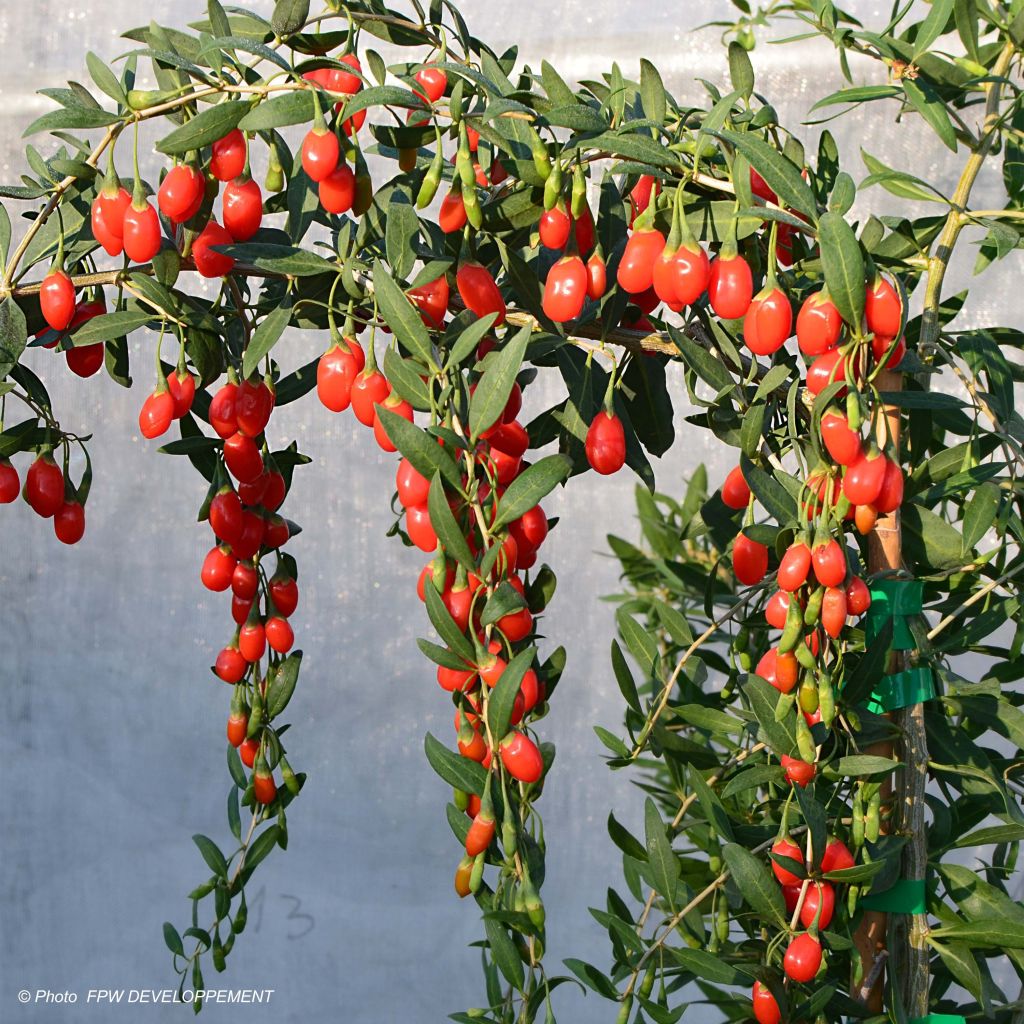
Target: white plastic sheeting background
x=111 y=736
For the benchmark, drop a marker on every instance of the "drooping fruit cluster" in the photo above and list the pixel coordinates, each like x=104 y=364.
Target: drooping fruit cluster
x=242 y=506
x=819 y=582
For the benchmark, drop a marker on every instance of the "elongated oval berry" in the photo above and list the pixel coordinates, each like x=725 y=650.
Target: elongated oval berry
x=420 y=530
x=597 y=276
x=10 y=483
x=819 y=894
x=883 y=312
x=864 y=478
x=833 y=611
x=786 y=848
x=837 y=857
x=798 y=772
x=521 y=757
x=842 y=442
x=828 y=369
x=554 y=227
x=636 y=268
x=242 y=457
x=242 y=209
x=264 y=788
x=452 y=215
x=433 y=82
x=156 y=413
x=479 y=291
x=254 y=403
x=225 y=515
x=890 y=494
x=565 y=290
x=480 y=834
x=776 y=611
x=284 y=592
x=252 y=641
x=432 y=301
x=818 y=325
x=44 y=486
x=320 y=153
x=749 y=560
x=181 y=193
x=141 y=232
x=335 y=372
x=280 y=636
x=606 y=444
x=69 y=523
x=245 y=581
x=662 y=278
x=803 y=958
x=794 y=567
x=397 y=405
x=691 y=273
x=57 y=300
x=730 y=287
x=735 y=490
x=106 y=217
x=337 y=190
x=829 y=561
x=227 y=160
x=764 y=1005
x=768 y=322
x=182 y=390
x=208 y=262
x=222 y=410
x=369 y=389
x=218 y=568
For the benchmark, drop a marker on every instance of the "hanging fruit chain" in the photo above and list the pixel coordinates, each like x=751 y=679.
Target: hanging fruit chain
x=447 y=394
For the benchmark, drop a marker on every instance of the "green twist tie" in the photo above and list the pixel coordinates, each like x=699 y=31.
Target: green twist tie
x=894 y=599
x=940 y=1018
x=907 y=896
x=902 y=690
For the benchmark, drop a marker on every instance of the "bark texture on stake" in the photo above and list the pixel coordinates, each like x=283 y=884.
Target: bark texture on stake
x=885 y=555
x=899 y=938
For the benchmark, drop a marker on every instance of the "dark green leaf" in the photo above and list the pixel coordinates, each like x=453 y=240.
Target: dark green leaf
x=205 y=128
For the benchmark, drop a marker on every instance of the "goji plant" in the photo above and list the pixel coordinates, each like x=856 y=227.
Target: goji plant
x=457 y=224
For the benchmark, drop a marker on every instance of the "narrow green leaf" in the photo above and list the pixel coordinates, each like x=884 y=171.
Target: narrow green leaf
x=105 y=78
x=267 y=334
x=447 y=628
x=756 y=884
x=843 y=263
x=503 y=696
x=926 y=102
x=402 y=226
x=741 y=71
x=660 y=856
x=494 y=387
x=652 y=92
x=979 y=515
x=451 y=538
x=402 y=316
x=419 y=447
x=531 y=487
x=777 y=170
x=456 y=770
x=205 y=128
x=212 y=855
x=282 y=684
x=279 y=111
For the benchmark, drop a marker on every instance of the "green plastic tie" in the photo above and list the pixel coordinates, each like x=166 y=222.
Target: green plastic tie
x=902 y=690
x=894 y=599
x=907 y=896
